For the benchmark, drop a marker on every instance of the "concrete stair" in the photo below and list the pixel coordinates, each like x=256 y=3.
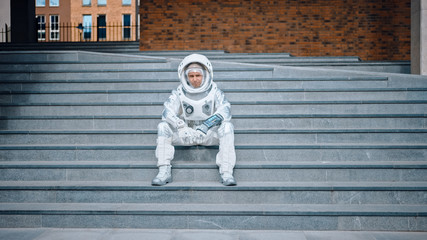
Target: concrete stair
x=317 y=149
x=48 y=53
x=128 y=47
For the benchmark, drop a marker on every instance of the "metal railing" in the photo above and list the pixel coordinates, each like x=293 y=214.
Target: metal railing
x=72 y=32
x=5 y=33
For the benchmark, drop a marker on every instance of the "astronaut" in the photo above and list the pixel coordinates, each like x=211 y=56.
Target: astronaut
x=196 y=113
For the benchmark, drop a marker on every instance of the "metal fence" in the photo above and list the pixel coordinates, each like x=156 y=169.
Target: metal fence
x=5 y=34
x=69 y=32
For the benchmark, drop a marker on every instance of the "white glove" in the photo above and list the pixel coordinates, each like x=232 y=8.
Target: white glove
x=187 y=135
x=199 y=136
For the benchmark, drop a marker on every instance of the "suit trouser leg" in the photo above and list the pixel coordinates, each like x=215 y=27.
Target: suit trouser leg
x=226 y=157
x=165 y=150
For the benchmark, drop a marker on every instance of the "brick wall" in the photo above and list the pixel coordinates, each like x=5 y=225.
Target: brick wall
x=370 y=29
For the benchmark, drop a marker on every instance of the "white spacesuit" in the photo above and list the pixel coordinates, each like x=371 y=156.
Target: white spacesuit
x=196 y=113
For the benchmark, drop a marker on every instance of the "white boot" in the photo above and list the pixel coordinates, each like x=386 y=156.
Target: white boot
x=227 y=179
x=163 y=177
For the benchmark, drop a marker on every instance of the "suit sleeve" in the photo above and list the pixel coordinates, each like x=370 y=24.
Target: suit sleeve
x=172 y=110
x=223 y=106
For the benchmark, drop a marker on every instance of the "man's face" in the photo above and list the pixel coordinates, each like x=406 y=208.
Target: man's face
x=195 y=79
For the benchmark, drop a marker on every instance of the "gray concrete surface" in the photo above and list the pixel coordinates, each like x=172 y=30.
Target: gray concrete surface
x=173 y=234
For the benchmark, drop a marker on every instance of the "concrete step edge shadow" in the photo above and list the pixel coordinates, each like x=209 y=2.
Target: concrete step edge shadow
x=214 y=209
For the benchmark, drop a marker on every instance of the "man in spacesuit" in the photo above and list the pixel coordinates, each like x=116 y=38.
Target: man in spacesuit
x=196 y=113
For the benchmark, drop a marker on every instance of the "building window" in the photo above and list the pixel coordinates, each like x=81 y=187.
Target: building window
x=54 y=3
x=102 y=2
x=87 y=27
x=102 y=27
x=41 y=28
x=87 y=2
x=40 y=3
x=126 y=2
x=54 y=27
x=126 y=26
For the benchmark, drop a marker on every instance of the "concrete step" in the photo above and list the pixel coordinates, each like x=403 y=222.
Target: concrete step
x=8 y=57
x=183 y=234
x=280 y=60
x=242 y=136
x=215 y=216
x=37 y=55
x=202 y=170
x=408 y=80
x=281 y=152
x=44 y=47
x=400 y=67
x=275 y=121
x=169 y=84
x=217 y=55
x=112 y=62
x=238 y=108
x=233 y=95
x=76 y=66
x=394 y=80
x=170 y=73
x=212 y=192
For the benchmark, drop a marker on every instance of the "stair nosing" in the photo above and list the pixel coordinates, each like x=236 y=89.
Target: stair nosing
x=235 y=116
x=337 y=210
x=230 y=91
x=238 y=147
x=237 y=131
x=198 y=165
x=334 y=102
x=370 y=78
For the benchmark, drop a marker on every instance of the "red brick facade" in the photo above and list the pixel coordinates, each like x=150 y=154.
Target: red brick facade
x=370 y=29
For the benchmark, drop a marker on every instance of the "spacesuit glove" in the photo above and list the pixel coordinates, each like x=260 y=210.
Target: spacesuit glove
x=187 y=135
x=199 y=136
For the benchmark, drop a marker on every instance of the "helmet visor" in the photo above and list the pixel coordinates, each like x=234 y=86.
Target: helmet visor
x=195 y=82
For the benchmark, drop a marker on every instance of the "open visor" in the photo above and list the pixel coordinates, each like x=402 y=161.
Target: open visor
x=198 y=70
x=205 y=80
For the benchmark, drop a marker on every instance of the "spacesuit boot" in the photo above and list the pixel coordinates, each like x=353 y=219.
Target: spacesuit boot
x=227 y=179
x=163 y=177
x=164 y=153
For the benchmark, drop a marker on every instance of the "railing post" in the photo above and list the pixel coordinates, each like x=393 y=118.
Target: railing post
x=8 y=33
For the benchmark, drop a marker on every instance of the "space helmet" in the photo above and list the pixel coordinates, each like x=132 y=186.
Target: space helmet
x=198 y=63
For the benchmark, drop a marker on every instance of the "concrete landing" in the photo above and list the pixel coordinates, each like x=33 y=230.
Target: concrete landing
x=169 y=234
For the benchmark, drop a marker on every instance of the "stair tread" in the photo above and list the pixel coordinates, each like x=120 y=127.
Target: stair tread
x=249 y=102
x=274 y=79
x=279 y=115
x=192 y=164
x=237 y=130
x=229 y=90
x=215 y=209
x=212 y=185
x=243 y=146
